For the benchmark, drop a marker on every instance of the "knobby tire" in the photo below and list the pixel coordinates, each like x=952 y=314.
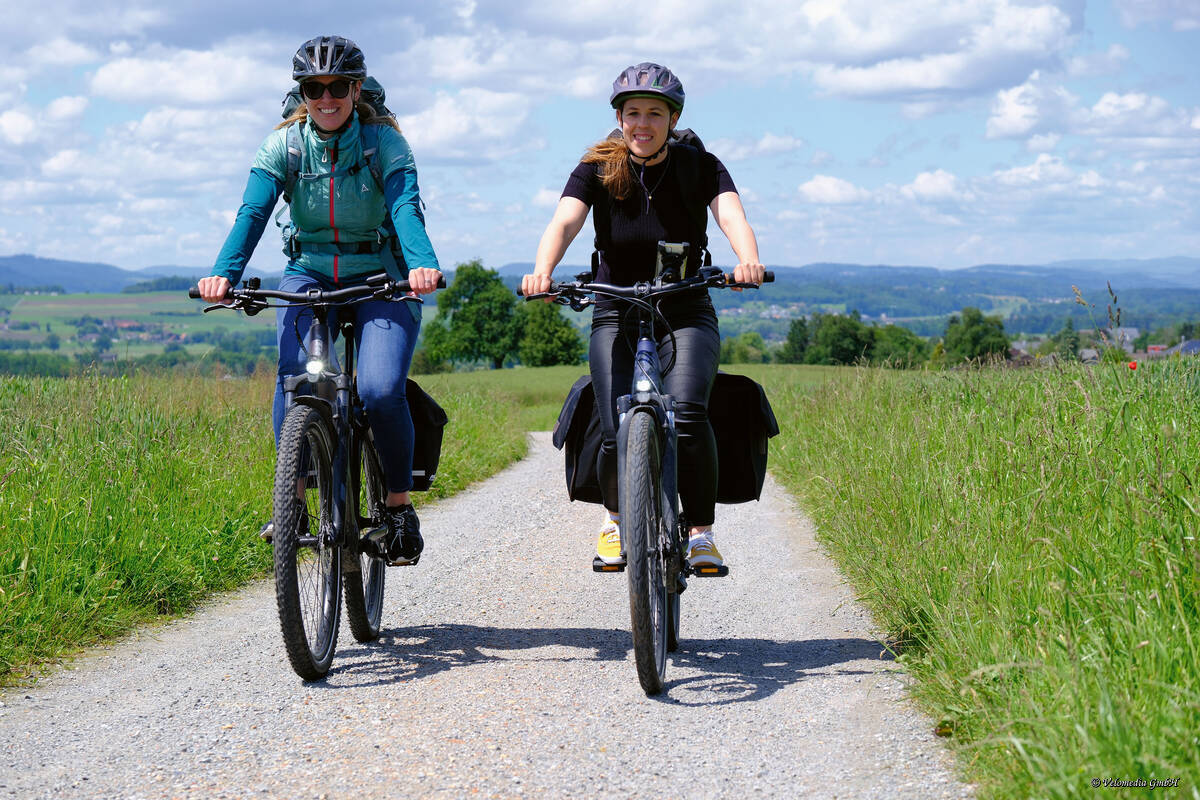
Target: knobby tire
x=307 y=574
x=642 y=528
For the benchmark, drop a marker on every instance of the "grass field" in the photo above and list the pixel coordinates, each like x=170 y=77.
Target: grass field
x=1028 y=540
x=125 y=499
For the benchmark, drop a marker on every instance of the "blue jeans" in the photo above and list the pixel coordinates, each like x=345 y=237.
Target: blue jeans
x=385 y=337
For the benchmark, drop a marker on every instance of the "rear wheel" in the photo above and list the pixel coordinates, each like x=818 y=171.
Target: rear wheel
x=307 y=559
x=363 y=584
x=642 y=534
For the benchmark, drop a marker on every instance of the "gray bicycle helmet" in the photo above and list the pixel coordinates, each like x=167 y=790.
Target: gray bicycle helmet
x=329 y=55
x=647 y=80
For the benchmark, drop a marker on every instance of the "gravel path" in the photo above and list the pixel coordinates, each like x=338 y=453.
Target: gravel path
x=504 y=670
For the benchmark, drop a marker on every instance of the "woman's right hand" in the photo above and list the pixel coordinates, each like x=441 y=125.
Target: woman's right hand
x=213 y=288
x=535 y=283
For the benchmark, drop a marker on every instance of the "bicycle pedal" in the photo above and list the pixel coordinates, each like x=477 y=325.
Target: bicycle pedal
x=708 y=571
x=604 y=566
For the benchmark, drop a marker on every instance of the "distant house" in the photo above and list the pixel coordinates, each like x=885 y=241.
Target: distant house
x=1122 y=337
x=1188 y=347
x=1089 y=355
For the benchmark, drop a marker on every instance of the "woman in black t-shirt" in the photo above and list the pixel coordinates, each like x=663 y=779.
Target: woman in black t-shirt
x=644 y=190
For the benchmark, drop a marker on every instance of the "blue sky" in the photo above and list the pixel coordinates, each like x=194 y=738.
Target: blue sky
x=935 y=132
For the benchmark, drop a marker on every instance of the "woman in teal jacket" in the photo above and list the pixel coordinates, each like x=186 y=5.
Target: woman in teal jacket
x=338 y=212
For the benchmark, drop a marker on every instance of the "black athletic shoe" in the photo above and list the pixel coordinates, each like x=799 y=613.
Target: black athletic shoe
x=404 y=542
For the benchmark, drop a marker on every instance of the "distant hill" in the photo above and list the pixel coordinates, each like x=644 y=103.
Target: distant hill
x=80 y=276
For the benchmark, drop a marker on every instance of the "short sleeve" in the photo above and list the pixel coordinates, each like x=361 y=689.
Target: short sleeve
x=583 y=184
x=272 y=155
x=716 y=178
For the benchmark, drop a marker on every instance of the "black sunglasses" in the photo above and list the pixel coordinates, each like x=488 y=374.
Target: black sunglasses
x=315 y=90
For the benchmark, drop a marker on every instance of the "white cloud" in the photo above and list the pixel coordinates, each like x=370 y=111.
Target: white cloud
x=1042 y=142
x=224 y=75
x=770 y=144
x=546 y=198
x=472 y=125
x=17 y=127
x=60 y=52
x=832 y=190
x=1047 y=169
x=933 y=186
x=62 y=109
x=1089 y=65
x=1184 y=15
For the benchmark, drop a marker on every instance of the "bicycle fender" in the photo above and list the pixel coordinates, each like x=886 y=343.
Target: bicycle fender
x=321 y=405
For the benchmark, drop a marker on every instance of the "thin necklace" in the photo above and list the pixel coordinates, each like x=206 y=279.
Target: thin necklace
x=642 y=179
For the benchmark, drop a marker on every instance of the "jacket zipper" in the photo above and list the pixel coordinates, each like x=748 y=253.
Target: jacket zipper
x=336 y=237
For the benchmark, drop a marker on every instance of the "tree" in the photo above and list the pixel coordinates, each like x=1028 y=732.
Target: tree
x=1066 y=342
x=796 y=344
x=53 y=341
x=749 y=348
x=838 y=339
x=898 y=347
x=476 y=318
x=546 y=337
x=974 y=337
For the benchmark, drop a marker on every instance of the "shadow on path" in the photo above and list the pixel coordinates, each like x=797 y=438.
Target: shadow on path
x=736 y=670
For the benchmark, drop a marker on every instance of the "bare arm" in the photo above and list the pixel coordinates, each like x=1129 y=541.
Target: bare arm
x=568 y=220
x=731 y=217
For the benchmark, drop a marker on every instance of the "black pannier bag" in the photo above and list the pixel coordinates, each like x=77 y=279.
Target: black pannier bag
x=428 y=420
x=742 y=422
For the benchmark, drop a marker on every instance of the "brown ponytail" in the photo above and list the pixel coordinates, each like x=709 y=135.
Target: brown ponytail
x=612 y=154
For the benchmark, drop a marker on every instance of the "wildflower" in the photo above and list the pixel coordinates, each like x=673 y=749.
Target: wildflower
x=1133 y=365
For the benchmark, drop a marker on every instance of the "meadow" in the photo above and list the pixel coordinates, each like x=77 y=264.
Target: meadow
x=1026 y=539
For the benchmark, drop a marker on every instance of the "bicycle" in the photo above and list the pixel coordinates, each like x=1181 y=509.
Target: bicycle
x=329 y=496
x=654 y=535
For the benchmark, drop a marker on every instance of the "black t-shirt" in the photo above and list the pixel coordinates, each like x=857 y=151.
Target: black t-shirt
x=638 y=224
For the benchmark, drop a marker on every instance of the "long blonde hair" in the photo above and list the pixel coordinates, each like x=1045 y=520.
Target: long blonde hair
x=366 y=116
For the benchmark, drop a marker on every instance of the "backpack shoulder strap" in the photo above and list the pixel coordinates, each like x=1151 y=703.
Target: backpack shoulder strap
x=687 y=172
x=295 y=155
x=369 y=136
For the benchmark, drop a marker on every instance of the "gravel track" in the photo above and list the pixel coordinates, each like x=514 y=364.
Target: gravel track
x=504 y=670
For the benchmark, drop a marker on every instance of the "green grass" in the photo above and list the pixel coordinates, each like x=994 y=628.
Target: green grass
x=126 y=499
x=1029 y=540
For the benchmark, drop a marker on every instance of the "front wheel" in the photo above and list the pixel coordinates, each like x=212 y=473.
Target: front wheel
x=364 y=585
x=642 y=535
x=307 y=558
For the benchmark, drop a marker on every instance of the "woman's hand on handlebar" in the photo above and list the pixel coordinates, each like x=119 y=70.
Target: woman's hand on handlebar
x=214 y=288
x=423 y=280
x=536 y=284
x=748 y=272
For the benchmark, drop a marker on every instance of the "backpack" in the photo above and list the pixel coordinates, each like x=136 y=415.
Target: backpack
x=387 y=242
x=741 y=438
x=687 y=147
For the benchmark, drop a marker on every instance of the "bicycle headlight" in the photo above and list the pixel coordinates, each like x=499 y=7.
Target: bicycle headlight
x=315 y=367
x=643 y=385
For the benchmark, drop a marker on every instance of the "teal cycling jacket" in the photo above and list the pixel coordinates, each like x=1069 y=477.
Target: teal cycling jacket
x=347 y=208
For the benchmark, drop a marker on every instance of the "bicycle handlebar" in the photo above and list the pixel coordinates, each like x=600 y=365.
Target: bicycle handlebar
x=380 y=285
x=709 y=277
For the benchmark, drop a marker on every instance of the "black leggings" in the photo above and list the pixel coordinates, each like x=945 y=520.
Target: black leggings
x=698 y=351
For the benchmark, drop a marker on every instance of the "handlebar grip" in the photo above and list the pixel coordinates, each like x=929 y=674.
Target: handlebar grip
x=768 y=277
x=194 y=293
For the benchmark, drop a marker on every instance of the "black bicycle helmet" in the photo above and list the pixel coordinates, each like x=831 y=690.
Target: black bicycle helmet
x=329 y=55
x=647 y=80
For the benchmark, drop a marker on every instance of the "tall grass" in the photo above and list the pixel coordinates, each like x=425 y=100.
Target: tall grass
x=1029 y=539
x=123 y=499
